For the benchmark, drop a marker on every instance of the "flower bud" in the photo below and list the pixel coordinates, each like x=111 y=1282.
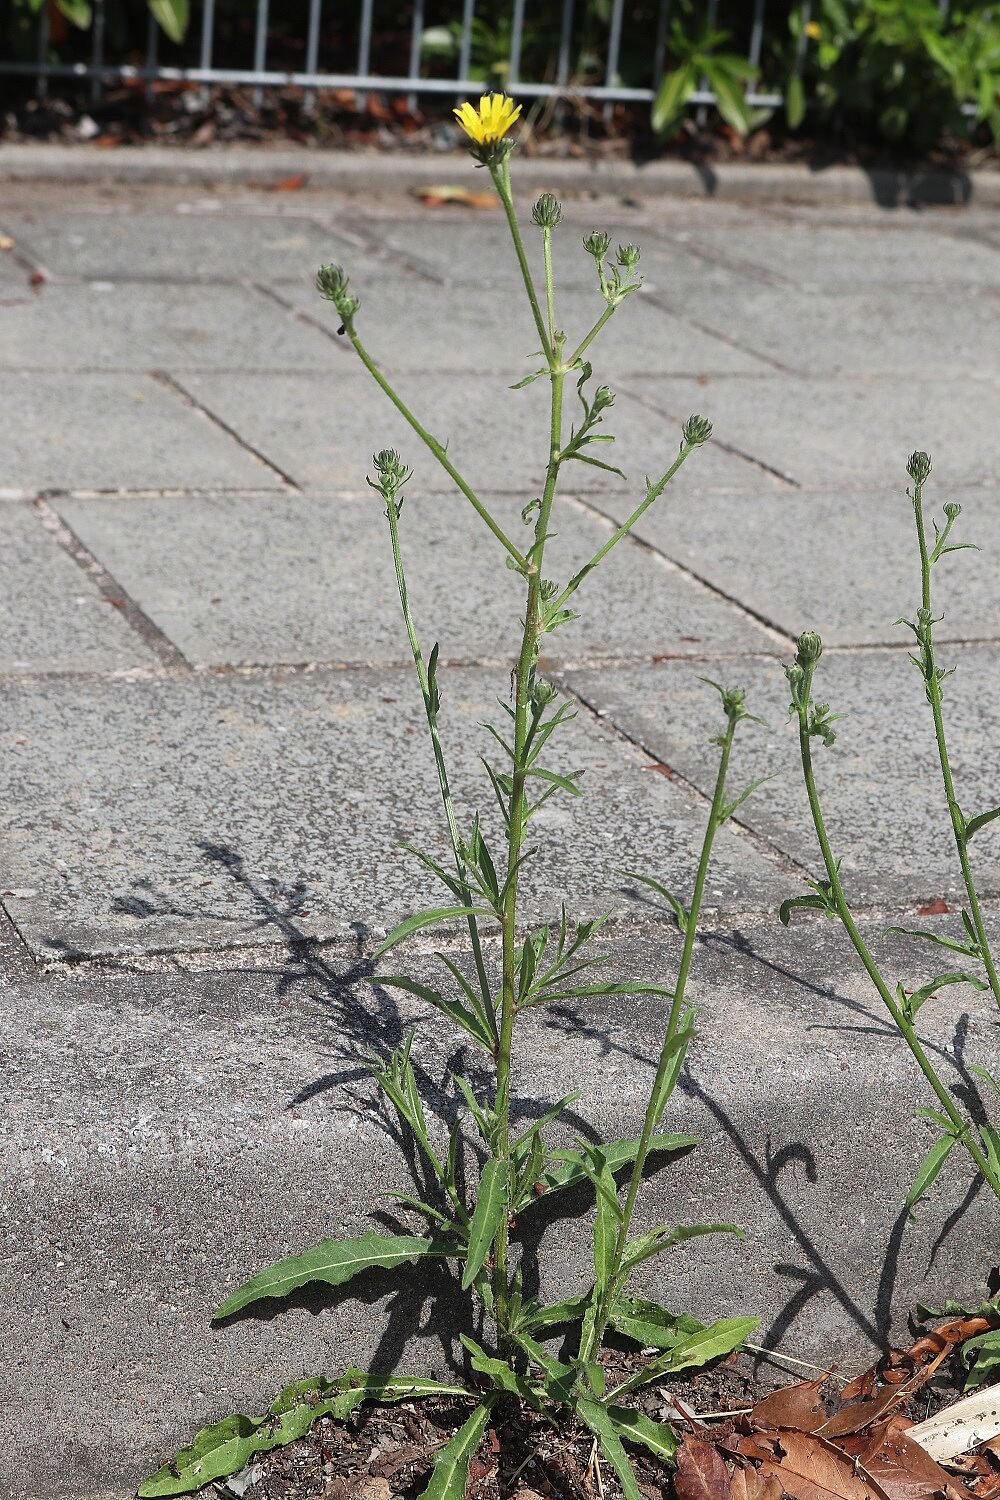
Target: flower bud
x=331 y=283
x=810 y=649
x=952 y=510
x=596 y=244
x=542 y=693
x=547 y=211
x=604 y=397
x=548 y=588
x=628 y=255
x=389 y=467
x=918 y=467
x=697 y=430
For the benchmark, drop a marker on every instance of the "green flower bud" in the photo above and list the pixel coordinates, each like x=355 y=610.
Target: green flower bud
x=542 y=693
x=604 y=397
x=331 y=283
x=596 y=244
x=391 y=471
x=697 y=430
x=810 y=649
x=918 y=467
x=548 y=588
x=547 y=211
x=952 y=510
x=628 y=255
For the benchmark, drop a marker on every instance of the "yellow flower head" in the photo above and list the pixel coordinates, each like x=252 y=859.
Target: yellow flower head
x=813 y=29
x=491 y=121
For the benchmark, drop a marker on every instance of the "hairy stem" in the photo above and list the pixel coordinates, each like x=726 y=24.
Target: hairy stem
x=430 y=710
x=963 y=1129
x=934 y=697
x=501 y=181
x=438 y=451
x=594 y=1333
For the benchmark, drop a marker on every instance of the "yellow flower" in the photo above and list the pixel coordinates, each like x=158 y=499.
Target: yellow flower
x=491 y=121
x=813 y=29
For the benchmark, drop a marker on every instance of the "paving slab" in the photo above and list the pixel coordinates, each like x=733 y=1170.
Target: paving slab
x=869 y=330
x=259 y=579
x=843 y=257
x=115 y=432
x=315 y=781
x=880 y=783
x=844 y=562
x=52 y=618
x=322 y=430
x=104 y=324
x=119 y=244
x=477 y=250
x=167 y=1135
x=422 y=326
x=855 y=433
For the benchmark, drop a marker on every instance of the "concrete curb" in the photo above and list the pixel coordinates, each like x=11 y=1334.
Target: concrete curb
x=353 y=171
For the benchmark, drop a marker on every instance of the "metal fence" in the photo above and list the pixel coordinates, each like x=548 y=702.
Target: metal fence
x=359 y=71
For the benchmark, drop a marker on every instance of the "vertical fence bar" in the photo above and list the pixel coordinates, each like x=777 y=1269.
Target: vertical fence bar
x=757 y=33
x=562 y=63
x=97 y=52
x=260 y=48
x=465 y=45
x=415 y=35
x=614 y=52
x=205 y=51
x=516 y=38
x=805 y=16
x=312 y=48
x=660 y=45
x=364 y=46
x=42 y=77
x=152 y=53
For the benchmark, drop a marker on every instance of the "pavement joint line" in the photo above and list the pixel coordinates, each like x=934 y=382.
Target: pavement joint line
x=167 y=654
x=781 y=637
x=167 y=380
x=210 y=493
x=750 y=458
x=746 y=268
x=17 y=961
x=667 y=306
x=786 y=863
x=328 y=332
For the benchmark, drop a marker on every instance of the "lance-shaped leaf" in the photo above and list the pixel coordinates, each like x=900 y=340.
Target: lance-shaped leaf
x=334 y=1262
x=450 y=1473
x=933 y=1160
x=970 y=950
x=491 y=1209
x=428 y=918
x=570 y=1169
x=657 y=1240
x=503 y=1375
x=597 y=1418
x=680 y=911
x=556 y=1314
x=980 y=821
x=911 y=1003
x=697 y=1349
x=636 y=1428
x=447 y=1004
x=650 y=1325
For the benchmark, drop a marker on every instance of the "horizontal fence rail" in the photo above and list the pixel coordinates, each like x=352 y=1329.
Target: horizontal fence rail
x=200 y=65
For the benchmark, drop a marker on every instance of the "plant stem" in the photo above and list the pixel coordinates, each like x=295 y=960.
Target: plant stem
x=517 y=821
x=582 y=348
x=962 y=1128
x=442 y=770
x=501 y=181
x=934 y=697
x=438 y=451
x=594 y=1334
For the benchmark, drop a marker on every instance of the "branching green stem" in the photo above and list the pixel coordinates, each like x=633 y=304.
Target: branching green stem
x=430 y=708
x=932 y=683
x=438 y=451
x=582 y=348
x=595 y=1331
x=963 y=1129
x=501 y=181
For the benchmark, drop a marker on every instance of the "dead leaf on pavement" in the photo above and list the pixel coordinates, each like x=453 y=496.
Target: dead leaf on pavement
x=810 y=1468
x=701 y=1472
x=465 y=197
x=797 y=1405
x=290 y=184
x=935 y=908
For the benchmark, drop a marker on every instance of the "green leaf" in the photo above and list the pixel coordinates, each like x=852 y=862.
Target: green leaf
x=991 y=1143
x=570 y=1169
x=980 y=821
x=491 y=1208
x=676 y=905
x=913 y=1002
x=606 y=1222
x=929 y=1168
x=693 y=1351
x=502 y=1374
x=172 y=16
x=786 y=908
x=77 y=12
x=450 y=1473
x=673 y=94
x=597 y=1418
x=566 y=783
x=448 y=1005
x=657 y=1240
x=940 y=938
x=981 y=1357
x=422 y=919
x=335 y=1262
x=635 y=1427
x=569 y=1310
x=650 y=1325
x=746 y=793
x=795 y=102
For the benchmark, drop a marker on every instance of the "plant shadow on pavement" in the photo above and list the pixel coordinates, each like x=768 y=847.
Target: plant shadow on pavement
x=368 y=1021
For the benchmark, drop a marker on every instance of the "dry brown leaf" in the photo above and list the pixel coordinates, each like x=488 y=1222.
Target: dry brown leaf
x=701 y=1473
x=797 y=1405
x=7 y=242
x=935 y=908
x=465 y=197
x=810 y=1468
x=854 y=1416
x=903 y=1470
x=750 y=1484
x=290 y=184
